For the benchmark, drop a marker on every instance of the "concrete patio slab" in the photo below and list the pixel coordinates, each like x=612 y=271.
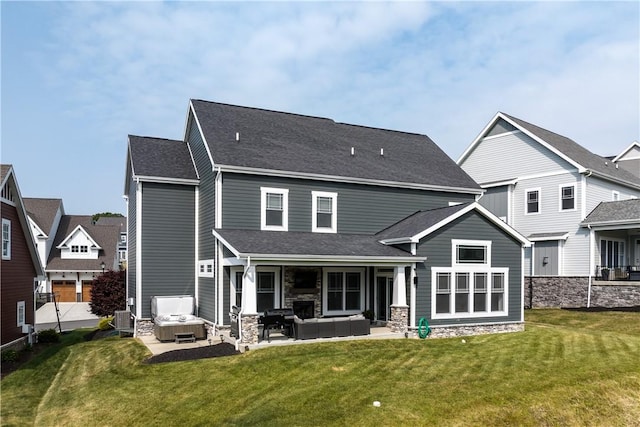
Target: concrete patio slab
x=73 y=315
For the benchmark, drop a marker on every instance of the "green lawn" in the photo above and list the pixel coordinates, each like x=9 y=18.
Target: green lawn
x=567 y=368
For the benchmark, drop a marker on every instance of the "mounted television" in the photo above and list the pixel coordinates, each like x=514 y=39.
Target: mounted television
x=305 y=279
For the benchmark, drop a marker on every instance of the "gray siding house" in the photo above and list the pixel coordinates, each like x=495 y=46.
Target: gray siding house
x=576 y=207
x=261 y=209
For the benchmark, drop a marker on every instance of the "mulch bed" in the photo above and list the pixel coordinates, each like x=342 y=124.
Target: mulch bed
x=205 y=352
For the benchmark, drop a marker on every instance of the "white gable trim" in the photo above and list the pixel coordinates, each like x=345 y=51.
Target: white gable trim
x=473 y=206
x=502 y=116
x=37 y=228
x=94 y=244
x=626 y=150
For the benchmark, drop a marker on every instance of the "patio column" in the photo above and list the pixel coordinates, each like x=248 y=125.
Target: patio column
x=399 y=308
x=249 y=315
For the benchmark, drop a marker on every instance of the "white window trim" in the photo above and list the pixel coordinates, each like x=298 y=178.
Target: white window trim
x=234 y=287
x=21 y=305
x=526 y=201
x=471 y=285
x=334 y=212
x=263 y=209
x=7 y=255
x=203 y=270
x=325 y=289
x=466 y=266
x=575 y=198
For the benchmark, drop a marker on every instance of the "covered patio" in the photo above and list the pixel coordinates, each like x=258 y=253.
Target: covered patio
x=314 y=276
x=614 y=241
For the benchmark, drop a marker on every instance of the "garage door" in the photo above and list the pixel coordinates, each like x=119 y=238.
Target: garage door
x=86 y=290
x=65 y=290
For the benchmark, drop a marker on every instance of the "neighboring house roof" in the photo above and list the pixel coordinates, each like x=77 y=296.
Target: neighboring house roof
x=289 y=245
x=635 y=145
x=252 y=139
x=161 y=158
x=583 y=159
x=423 y=223
x=43 y=211
x=106 y=236
x=8 y=178
x=120 y=221
x=614 y=213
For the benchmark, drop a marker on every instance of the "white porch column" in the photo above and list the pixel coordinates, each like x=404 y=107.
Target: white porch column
x=249 y=301
x=399 y=287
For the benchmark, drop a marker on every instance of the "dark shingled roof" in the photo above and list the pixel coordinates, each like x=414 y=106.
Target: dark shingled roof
x=308 y=244
x=303 y=144
x=418 y=222
x=107 y=236
x=611 y=212
x=163 y=158
x=120 y=221
x=43 y=211
x=4 y=170
x=578 y=153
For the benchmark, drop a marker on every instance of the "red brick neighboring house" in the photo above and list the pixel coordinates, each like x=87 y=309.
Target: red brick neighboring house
x=20 y=265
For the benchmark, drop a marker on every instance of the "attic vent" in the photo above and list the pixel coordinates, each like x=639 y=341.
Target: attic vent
x=353 y=151
x=382 y=151
x=237 y=136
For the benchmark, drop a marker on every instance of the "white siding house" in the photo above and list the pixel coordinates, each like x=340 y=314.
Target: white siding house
x=547 y=185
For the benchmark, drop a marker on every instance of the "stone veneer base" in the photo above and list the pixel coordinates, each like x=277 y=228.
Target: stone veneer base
x=469 y=330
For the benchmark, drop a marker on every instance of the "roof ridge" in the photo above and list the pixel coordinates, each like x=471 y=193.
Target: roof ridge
x=264 y=109
x=546 y=130
x=156 y=138
x=382 y=129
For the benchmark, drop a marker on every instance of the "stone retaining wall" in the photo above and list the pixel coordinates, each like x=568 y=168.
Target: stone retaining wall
x=468 y=330
x=572 y=292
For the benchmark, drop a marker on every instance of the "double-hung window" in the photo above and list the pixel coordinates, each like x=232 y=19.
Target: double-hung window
x=471 y=287
x=343 y=291
x=6 y=239
x=274 y=209
x=567 y=197
x=324 y=212
x=532 y=201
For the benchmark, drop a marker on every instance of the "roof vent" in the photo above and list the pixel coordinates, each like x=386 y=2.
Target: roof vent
x=382 y=151
x=237 y=136
x=353 y=151
x=617 y=166
x=606 y=163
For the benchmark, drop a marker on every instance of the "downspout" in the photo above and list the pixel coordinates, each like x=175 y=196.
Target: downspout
x=590 y=265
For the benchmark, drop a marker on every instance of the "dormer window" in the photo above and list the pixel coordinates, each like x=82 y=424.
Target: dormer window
x=83 y=249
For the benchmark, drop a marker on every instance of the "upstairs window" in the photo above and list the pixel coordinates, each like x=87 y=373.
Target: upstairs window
x=532 y=201
x=6 y=239
x=324 y=212
x=567 y=197
x=274 y=209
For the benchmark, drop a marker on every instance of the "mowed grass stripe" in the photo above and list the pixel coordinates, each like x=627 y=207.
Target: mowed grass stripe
x=551 y=374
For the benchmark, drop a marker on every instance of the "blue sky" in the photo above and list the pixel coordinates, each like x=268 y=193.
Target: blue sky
x=78 y=77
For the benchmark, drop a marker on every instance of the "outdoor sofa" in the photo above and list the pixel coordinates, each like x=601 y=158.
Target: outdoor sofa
x=328 y=327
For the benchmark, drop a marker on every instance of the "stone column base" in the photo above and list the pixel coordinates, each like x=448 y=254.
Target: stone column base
x=399 y=319
x=249 y=328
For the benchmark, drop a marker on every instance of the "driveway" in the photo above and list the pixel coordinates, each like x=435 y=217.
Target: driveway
x=73 y=315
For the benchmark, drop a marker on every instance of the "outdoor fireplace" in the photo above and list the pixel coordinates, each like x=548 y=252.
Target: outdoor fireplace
x=304 y=309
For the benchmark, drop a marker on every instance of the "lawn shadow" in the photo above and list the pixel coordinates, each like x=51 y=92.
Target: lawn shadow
x=631 y=309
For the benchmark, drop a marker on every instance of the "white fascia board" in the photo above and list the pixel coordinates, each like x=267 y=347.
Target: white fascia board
x=38 y=229
x=558 y=236
x=610 y=178
x=477 y=139
x=226 y=243
x=612 y=225
x=484 y=212
x=492 y=184
x=545 y=144
x=166 y=180
x=345 y=179
x=626 y=150
x=329 y=259
x=192 y=111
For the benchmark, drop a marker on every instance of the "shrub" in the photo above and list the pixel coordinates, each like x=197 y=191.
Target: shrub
x=48 y=336
x=9 y=356
x=105 y=323
x=108 y=293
